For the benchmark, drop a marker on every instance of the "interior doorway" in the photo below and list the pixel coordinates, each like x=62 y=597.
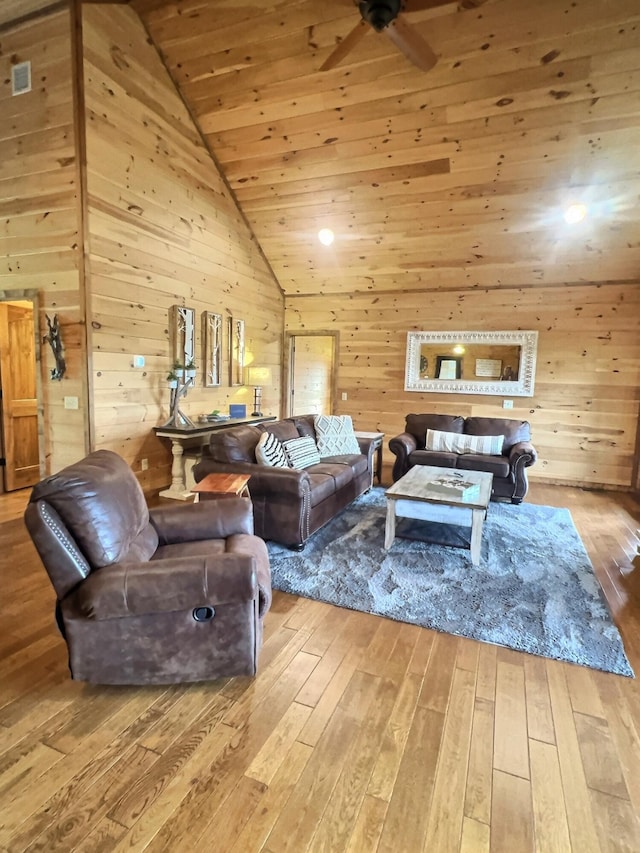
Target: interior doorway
x=310 y=380
x=20 y=433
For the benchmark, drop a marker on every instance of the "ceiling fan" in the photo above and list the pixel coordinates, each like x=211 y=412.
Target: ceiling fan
x=385 y=16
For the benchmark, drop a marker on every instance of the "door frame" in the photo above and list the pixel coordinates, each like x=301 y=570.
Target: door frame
x=287 y=381
x=31 y=296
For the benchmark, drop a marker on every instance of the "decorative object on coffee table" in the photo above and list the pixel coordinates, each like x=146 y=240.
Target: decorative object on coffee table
x=430 y=494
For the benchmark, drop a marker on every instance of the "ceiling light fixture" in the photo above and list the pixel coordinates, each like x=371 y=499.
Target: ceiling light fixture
x=575 y=213
x=326 y=236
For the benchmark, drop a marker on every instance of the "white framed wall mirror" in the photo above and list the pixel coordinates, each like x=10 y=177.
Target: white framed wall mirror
x=498 y=363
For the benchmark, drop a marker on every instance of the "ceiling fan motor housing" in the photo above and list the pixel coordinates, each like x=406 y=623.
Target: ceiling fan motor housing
x=380 y=13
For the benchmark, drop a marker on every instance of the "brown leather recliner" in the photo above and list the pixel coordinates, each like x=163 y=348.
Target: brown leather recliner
x=173 y=595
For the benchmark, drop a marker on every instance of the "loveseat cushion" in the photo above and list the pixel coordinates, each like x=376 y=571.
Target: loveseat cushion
x=497 y=465
x=513 y=431
x=418 y=425
x=433 y=457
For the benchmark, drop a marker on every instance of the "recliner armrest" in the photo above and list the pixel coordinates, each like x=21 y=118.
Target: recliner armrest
x=163 y=586
x=210 y=519
x=523 y=453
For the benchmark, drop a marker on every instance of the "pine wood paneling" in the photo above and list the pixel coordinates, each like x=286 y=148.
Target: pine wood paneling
x=585 y=408
x=39 y=235
x=163 y=230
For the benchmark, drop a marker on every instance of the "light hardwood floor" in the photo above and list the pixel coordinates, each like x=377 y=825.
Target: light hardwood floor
x=359 y=734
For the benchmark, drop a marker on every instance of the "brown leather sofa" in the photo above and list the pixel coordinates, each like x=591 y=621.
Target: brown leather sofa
x=173 y=595
x=288 y=504
x=509 y=469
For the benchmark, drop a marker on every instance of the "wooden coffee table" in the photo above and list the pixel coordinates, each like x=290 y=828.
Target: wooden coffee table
x=411 y=497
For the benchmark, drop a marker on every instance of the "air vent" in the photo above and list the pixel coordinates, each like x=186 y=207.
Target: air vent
x=21 y=78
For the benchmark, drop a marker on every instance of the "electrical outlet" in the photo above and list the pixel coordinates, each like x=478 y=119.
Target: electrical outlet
x=71 y=402
x=138 y=361
x=507 y=404
x=144 y=464
x=344 y=395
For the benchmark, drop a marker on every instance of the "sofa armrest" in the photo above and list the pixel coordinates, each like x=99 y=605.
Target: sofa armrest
x=210 y=519
x=402 y=446
x=163 y=586
x=523 y=454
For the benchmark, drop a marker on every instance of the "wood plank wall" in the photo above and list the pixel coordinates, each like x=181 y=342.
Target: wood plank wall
x=163 y=230
x=39 y=248
x=584 y=413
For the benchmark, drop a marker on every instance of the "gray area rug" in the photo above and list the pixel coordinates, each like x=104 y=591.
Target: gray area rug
x=534 y=591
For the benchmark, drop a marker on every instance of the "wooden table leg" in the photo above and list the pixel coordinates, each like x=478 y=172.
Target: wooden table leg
x=476 y=535
x=390 y=526
x=178 y=489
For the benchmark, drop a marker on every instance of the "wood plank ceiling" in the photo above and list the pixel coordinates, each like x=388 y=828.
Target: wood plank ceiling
x=452 y=178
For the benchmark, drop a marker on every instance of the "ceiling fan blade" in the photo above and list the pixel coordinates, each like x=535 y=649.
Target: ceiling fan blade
x=411 y=43
x=346 y=45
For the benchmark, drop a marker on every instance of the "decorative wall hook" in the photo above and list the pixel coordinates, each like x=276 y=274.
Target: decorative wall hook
x=55 y=341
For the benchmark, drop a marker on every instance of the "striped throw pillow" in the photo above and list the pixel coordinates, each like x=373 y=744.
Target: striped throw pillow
x=454 y=442
x=301 y=452
x=269 y=451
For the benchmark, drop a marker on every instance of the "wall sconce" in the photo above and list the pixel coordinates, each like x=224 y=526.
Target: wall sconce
x=258 y=376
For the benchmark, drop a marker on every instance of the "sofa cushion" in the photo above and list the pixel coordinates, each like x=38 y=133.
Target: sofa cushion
x=323 y=485
x=237 y=444
x=335 y=436
x=304 y=425
x=497 y=465
x=301 y=452
x=270 y=451
x=283 y=430
x=418 y=425
x=431 y=457
x=452 y=442
x=513 y=431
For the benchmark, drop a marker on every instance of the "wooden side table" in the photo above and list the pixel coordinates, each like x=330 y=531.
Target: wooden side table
x=377 y=438
x=223 y=486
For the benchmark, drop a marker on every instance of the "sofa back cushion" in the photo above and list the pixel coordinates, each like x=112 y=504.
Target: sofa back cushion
x=417 y=425
x=513 y=431
x=236 y=444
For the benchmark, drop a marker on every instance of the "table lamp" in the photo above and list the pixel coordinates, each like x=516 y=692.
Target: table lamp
x=258 y=376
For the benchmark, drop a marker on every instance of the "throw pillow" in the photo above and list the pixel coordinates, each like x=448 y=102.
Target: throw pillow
x=453 y=442
x=335 y=436
x=269 y=451
x=301 y=452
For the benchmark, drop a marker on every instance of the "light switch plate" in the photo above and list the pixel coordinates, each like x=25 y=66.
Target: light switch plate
x=71 y=402
x=138 y=361
x=507 y=404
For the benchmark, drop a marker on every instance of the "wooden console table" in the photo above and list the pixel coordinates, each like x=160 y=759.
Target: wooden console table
x=193 y=438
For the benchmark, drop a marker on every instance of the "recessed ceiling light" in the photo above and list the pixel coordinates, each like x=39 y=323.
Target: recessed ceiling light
x=325 y=235
x=575 y=213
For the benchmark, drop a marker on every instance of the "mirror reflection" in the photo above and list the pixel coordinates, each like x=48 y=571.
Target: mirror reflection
x=473 y=361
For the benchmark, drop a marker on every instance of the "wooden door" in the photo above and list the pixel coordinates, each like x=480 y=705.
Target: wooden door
x=19 y=396
x=311 y=390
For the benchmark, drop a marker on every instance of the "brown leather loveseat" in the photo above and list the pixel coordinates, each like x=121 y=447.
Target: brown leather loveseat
x=289 y=504
x=173 y=595
x=509 y=468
